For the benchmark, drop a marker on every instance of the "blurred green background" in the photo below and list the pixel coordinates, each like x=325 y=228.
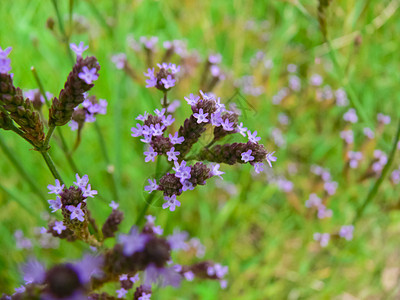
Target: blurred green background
x=263 y=234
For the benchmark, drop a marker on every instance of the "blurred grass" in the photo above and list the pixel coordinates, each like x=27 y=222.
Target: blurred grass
x=256 y=232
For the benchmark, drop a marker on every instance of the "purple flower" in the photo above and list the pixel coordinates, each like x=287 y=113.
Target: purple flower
x=132 y=242
x=201 y=117
x=59 y=226
x=216 y=119
x=74 y=125
x=149 y=43
x=4 y=53
x=34 y=272
x=147 y=139
x=167 y=120
x=113 y=205
x=215 y=58
x=330 y=187
x=78 y=49
x=145 y=296
x=384 y=119
x=178 y=240
x=137 y=131
x=157 y=129
x=346 y=231
x=172 y=154
x=20 y=289
x=322 y=238
x=175 y=139
x=347 y=136
x=187 y=185
x=159 y=113
x=150 y=219
x=192 y=100
x=242 y=130
x=5 y=65
x=270 y=158
x=88 y=192
x=226 y=125
x=350 y=116
x=119 y=60
x=217 y=270
x=173 y=106
x=56 y=189
x=123 y=277
x=55 y=204
x=144 y=117
x=253 y=136
x=246 y=156
x=164 y=276
x=168 y=82
x=150 y=154
x=158 y=230
x=258 y=167
x=316 y=80
x=88 y=75
x=121 y=292
x=368 y=133
x=134 y=278
x=220 y=106
x=181 y=170
x=76 y=212
x=215 y=170
x=146 y=130
x=313 y=201
x=323 y=212
x=81 y=182
x=152 y=186
x=171 y=202
x=189 y=275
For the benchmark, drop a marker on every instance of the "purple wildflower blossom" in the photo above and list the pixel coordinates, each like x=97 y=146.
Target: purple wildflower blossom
x=55 y=189
x=4 y=53
x=143 y=117
x=132 y=242
x=167 y=121
x=138 y=131
x=73 y=125
x=368 y=133
x=253 y=136
x=134 y=278
x=76 y=212
x=258 y=167
x=5 y=65
x=164 y=276
x=181 y=170
x=171 y=202
x=192 y=99
x=34 y=272
x=323 y=212
x=113 y=205
x=150 y=154
x=189 y=275
x=145 y=296
x=215 y=170
x=226 y=125
x=270 y=158
x=157 y=129
x=322 y=238
x=81 y=182
x=121 y=292
x=168 y=82
x=175 y=139
x=119 y=60
x=346 y=231
x=147 y=139
x=150 y=219
x=201 y=116
x=187 y=185
x=172 y=154
x=350 y=116
x=316 y=80
x=216 y=119
x=313 y=201
x=347 y=136
x=59 y=226
x=159 y=113
x=246 y=156
x=242 y=130
x=88 y=75
x=55 y=204
x=88 y=192
x=152 y=186
x=78 y=49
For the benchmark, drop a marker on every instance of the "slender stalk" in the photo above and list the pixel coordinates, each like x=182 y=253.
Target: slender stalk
x=372 y=192
x=40 y=85
x=165 y=101
x=48 y=137
x=10 y=155
x=100 y=17
x=143 y=212
x=51 y=165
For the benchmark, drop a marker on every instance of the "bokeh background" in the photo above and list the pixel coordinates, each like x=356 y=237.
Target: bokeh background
x=257 y=225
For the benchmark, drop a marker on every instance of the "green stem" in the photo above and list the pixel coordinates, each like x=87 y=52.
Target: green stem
x=35 y=188
x=104 y=151
x=48 y=137
x=377 y=184
x=143 y=212
x=51 y=165
x=40 y=85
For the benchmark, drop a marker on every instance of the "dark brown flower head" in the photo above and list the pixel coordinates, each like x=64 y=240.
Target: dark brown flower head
x=140 y=290
x=63 y=281
x=72 y=94
x=156 y=251
x=161 y=144
x=170 y=185
x=72 y=196
x=199 y=174
x=112 y=222
x=152 y=120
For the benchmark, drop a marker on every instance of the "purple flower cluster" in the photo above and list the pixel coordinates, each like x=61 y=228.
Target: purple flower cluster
x=87 y=113
x=164 y=79
x=5 y=62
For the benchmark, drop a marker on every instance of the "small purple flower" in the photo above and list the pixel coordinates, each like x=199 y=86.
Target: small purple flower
x=5 y=65
x=132 y=242
x=157 y=129
x=137 y=131
x=220 y=106
x=150 y=154
x=88 y=75
x=270 y=158
x=201 y=117
x=346 y=231
x=159 y=113
x=216 y=119
x=134 y=278
x=146 y=130
x=187 y=185
x=368 y=133
x=173 y=106
x=152 y=186
x=322 y=238
x=347 y=136
x=4 y=53
x=181 y=170
x=189 y=275
x=384 y=119
x=175 y=139
x=171 y=202
x=226 y=125
x=78 y=49
x=215 y=58
x=192 y=99
x=76 y=212
x=158 y=230
x=123 y=277
x=167 y=120
x=145 y=296
x=215 y=171
x=258 y=167
x=313 y=201
x=253 y=136
x=121 y=292
x=330 y=187
x=59 y=226
x=55 y=204
x=178 y=240
x=150 y=219
x=81 y=182
x=350 y=116
x=323 y=212
x=147 y=139
x=119 y=60
x=172 y=154
x=168 y=82
x=34 y=272
x=242 y=130
x=56 y=189
x=149 y=43
x=246 y=156
x=73 y=125
x=113 y=205
x=20 y=289
x=143 y=117
x=316 y=80
x=88 y=192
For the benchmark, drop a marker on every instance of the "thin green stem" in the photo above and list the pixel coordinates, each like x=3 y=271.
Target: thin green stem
x=40 y=85
x=143 y=212
x=48 y=137
x=372 y=192
x=20 y=169
x=51 y=165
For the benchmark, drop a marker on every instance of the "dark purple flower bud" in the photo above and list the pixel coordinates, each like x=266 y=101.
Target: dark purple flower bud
x=112 y=222
x=161 y=144
x=65 y=234
x=170 y=185
x=199 y=174
x=63 y=281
